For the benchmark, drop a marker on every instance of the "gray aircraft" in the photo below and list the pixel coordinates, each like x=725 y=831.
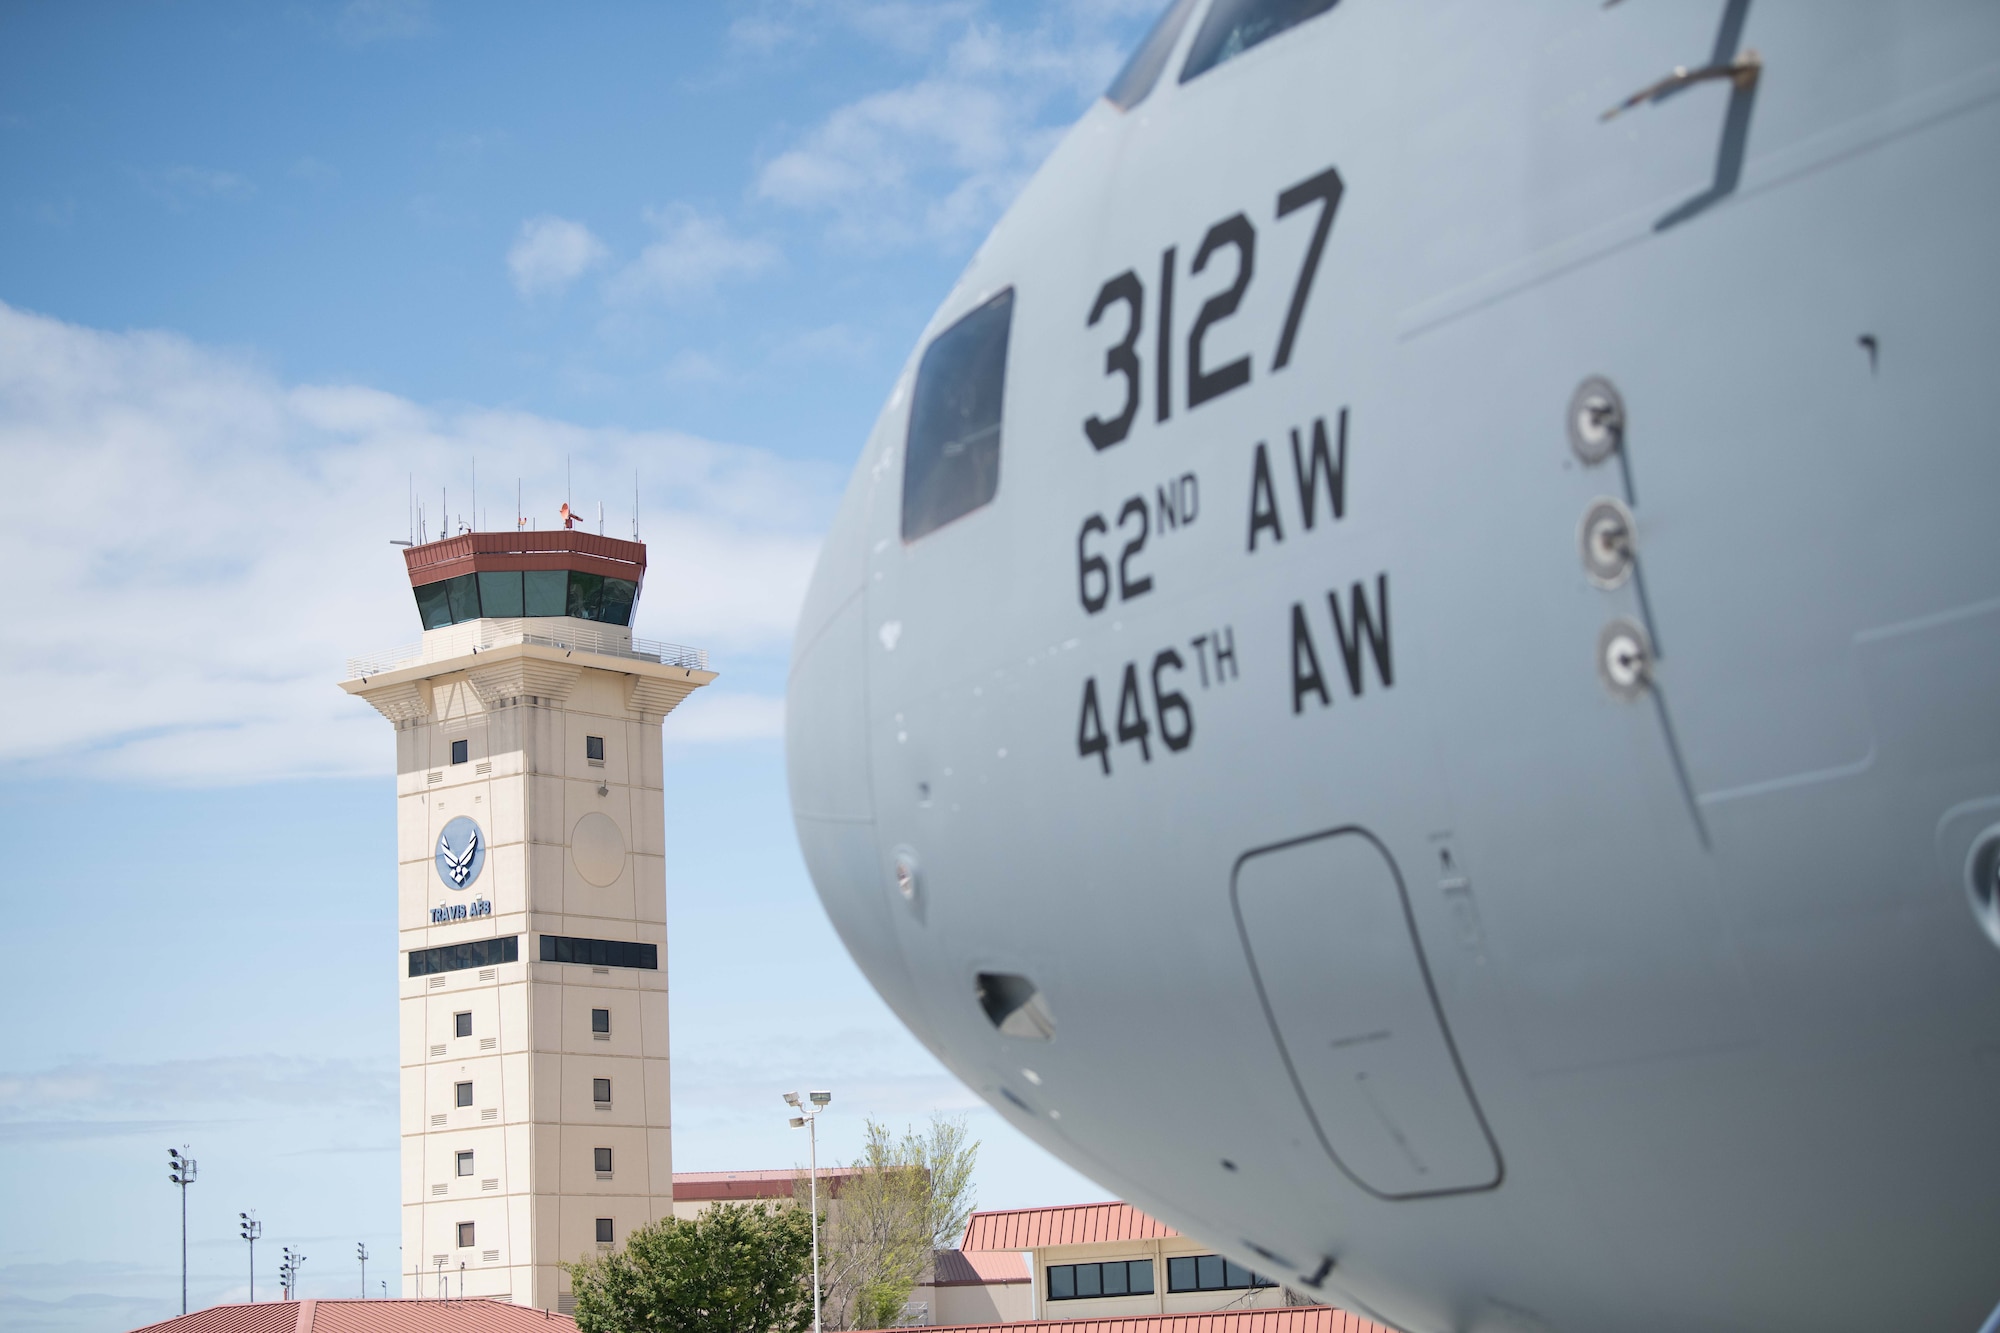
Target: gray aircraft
x=1410 y=675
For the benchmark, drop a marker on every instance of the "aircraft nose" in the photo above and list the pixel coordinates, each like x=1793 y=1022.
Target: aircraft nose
x=826 y=696
x=827 y=760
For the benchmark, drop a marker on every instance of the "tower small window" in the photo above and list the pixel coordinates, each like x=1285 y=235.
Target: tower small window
x=464 y=1094
x=600 y=1091
x=603 y=1158
x=600 y=1020
x=465 y=1163
x=465 y=1235
x=593 y=748
x=603 y=1231
x=460 y=751
x=461 y=1025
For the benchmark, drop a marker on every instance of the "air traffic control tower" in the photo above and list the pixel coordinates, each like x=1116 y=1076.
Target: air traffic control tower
x=531 y=908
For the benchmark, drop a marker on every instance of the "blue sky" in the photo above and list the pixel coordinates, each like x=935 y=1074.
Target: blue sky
x=260 y=265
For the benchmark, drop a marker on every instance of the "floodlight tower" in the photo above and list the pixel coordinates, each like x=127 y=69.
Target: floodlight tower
x=182 y=1175
x=808 y=1119
x=531 y=905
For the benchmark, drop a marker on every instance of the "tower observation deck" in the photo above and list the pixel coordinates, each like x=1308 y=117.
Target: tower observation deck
x=531 y=907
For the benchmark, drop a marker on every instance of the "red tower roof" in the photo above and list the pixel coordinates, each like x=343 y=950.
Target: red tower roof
x=558 y=548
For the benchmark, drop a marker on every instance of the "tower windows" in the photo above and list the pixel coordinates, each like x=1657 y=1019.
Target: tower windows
x=457 y=957
x=600 y=1091
x=600 y=953
x=461 y=1025
x=464 y=1091
x=535 y=592
x=465 y=1235
x=460 y=751
x=602 y=1156
x=465 y=1163
x=593 y=749
x=603 y=1231
x=600 y=1021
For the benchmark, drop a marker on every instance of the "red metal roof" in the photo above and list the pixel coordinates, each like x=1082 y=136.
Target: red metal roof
x=956 y=1268
x=1073 y=1224
x=703 y=1186
x=390 y=1316
x=1285 y=1319
x=559 y=548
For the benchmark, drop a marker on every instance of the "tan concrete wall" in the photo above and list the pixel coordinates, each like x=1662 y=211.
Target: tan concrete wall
x=996 y=1303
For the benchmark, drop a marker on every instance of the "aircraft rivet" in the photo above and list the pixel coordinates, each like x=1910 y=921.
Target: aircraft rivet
x=1596 y=420
x=1625 y=658
x=1606 y=538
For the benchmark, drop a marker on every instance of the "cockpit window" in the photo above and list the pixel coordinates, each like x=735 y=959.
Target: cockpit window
x=1234 y=26
x=951 y=465
x=1142 y=71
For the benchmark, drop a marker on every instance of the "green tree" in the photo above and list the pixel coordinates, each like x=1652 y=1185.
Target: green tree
x=732 y=1269
x=906 y=1198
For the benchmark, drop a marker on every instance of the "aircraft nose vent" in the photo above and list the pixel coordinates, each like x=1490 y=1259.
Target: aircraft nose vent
x=1014 y=1004
x=1982 y=880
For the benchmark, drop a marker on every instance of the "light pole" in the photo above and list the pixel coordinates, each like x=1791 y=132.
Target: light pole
x=361 y=1253
x=183 y=1176
x=252 y=1229
x=293 y=1262
x=808 y=1120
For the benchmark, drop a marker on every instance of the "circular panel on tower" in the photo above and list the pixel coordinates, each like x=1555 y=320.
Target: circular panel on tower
x=460 y=853
x=598 y=849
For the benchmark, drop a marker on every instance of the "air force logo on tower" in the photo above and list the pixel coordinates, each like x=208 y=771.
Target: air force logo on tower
x=461 y=852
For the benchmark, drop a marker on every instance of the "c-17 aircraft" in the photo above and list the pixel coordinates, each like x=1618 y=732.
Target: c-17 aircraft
x=1410 y=675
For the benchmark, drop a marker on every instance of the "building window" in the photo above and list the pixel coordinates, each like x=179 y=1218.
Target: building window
x=461 y=1025
x=1211 y=1272
x=1073 y=1282
x=461 y=751
x=464 y=1091
x=458 y=957
x=600 y=953
x=600 y=1020
x=465 y=1163
x=465 y=1235
x=603 y=1231
x=600 y=1091
x=593 y=748
x=603 y=1156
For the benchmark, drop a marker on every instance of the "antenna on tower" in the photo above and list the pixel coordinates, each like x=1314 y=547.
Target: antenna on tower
x=517 y=504
x=475 y=492
x=600 y=518
x=635 y=504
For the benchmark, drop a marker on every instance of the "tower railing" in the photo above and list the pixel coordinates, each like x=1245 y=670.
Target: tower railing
x=478 y=636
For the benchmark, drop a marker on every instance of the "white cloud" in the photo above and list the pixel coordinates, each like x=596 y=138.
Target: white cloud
x=694 y=253
x=208 y=545
x=939 y=158
x=550 y=253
